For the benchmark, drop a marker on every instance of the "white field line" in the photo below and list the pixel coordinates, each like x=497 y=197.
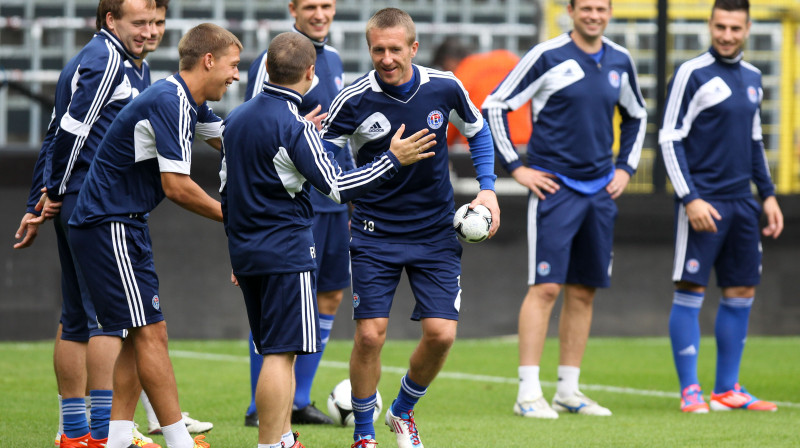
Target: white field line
x=455 y=376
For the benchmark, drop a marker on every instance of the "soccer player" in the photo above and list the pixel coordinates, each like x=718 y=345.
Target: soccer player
x=712 y=146
x=271 y=155
x=146 y=156
x=91 y=90
x=138 y=72
x=405 y=223
x=313 y=19
x=575 y=82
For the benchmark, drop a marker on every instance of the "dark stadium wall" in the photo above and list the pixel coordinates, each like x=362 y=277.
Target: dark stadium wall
x=200 y=302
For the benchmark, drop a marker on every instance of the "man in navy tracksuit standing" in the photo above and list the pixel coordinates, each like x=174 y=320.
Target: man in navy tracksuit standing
x=712 y=146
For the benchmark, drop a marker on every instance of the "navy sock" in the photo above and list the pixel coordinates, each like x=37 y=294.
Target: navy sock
x=363 y=410
x=730 y=330
x=684 y=332
x=101 y=412
x=74 y=412
x=305 y=367
x=256 y=361
x=409 y=395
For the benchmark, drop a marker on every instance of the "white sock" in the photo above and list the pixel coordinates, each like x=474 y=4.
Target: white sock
x=148 y=408
x=567 y=380
x=288 y=439
x=272 y=445
x=177 y=436
x=120 y=434
x=529 y=386
x=60 y=418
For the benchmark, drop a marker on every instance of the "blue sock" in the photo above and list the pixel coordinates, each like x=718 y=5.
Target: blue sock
x=730 y=330
x=409 y=395
x=363 y=410
x=684 y=332
x=74 y=412
x=305 y=367
x=256 y=361
x=101 y=412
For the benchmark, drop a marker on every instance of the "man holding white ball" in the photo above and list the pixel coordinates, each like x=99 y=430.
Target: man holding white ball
x=406 y=223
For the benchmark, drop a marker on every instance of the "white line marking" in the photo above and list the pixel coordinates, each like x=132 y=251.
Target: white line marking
x=455 y=376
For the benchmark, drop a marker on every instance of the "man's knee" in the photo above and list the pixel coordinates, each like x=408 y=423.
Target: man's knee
x=370 y=335
x=440 y=336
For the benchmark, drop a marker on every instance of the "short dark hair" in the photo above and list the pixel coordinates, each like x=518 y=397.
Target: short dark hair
x=115 y=8
x=288 y=57
x=201 y=40
x=162 y=4
x=732 y=5
x=390 y=18
x=450 y=48
x=572 y=3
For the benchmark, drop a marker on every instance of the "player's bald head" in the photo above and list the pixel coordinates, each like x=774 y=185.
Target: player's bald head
x=288 y=57
x=392 y=18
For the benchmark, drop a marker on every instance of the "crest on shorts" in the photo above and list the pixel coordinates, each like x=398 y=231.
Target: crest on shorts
x=692 y=266
x=356 y=300
x=613 y=79
x=156 y=303
x=435 y=119
x=543 y=268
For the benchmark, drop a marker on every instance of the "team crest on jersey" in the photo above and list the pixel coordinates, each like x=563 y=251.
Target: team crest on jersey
x=356 y=300
x=613 y=79
x=156 y=303
x=752 y=94
x=435 y=119
x=692 y=266
x=543 y=268
x=339 y=82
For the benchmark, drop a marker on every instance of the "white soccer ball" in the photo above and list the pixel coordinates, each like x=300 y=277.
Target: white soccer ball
x=340 y=407
x=472 y=225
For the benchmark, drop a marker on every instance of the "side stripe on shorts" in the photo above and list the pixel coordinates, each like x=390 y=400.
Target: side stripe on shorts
x=126 y=273
x=307 y=310
x=681 y=242
x=533 y=207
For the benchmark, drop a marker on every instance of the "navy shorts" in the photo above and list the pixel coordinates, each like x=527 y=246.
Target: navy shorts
x=282 y=311
x=433 y=269
x=734 y=251
x=570 y=238
x=123 y=281
x=332 y=242
x=78 y=316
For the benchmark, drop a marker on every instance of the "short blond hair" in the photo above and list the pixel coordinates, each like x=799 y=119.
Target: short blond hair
x=201 y=40
x=391 y=18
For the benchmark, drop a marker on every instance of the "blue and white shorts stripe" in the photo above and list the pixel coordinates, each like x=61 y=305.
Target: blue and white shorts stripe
x=123 y=283
x=282 y=311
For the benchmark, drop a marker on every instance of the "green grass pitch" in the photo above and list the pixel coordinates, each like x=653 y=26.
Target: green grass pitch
x=469 y=405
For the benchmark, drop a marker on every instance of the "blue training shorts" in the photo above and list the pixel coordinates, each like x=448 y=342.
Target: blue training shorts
x=282 y=311
x=570 y=238
x=332 y=242
x=433 y=269
x=122 y=281
x=78 y=316
x=734 y=251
